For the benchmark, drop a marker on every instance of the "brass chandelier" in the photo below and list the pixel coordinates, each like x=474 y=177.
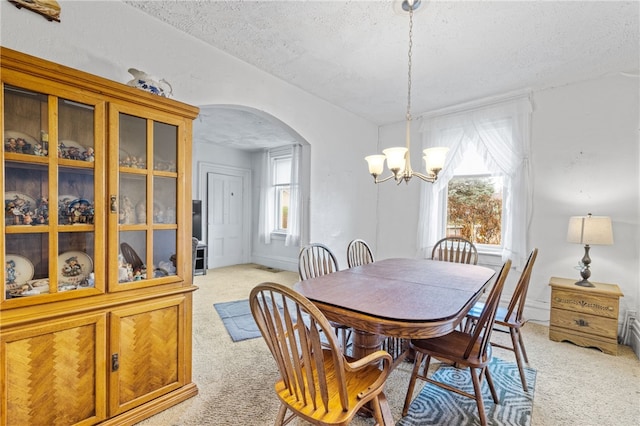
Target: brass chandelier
x=399 y=158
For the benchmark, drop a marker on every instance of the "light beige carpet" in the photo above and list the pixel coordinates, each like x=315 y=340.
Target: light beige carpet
x=574 y=385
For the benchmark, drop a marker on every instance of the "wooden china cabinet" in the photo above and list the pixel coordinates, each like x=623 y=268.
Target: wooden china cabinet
x=95 y=316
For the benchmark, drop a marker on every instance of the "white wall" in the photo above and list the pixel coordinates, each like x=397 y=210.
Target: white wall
x=106 y=38
x=585 y=159
x=584 y=140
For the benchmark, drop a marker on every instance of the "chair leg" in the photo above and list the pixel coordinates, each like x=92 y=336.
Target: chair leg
x=516 y=351
x=478 y=394
x=377 y=414
x=281 y=413
x=385 y=411
x=492 y=388
x=524 y=352
x=412 y=381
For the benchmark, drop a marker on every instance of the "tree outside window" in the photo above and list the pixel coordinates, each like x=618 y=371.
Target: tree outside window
x=474 y=202
x=474 y=209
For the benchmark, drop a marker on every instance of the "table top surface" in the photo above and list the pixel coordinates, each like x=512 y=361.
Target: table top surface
x=399 y=290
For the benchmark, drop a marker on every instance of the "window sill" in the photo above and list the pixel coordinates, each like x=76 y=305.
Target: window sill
x=489 y=257
x=279 y=235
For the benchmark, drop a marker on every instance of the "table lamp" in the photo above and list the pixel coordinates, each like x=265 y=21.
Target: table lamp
x=589 y=230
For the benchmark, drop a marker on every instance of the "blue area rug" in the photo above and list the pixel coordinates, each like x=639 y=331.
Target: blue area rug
x=238 y=320
x=436 y=406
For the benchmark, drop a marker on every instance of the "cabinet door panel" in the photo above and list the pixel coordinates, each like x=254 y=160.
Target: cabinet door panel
x=148 y=193
x=55 y=373
x=148 y=341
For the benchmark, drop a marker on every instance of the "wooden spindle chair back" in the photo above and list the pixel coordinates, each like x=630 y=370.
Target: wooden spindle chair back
x=316 y=260
x=455 y=249
x=359 y=253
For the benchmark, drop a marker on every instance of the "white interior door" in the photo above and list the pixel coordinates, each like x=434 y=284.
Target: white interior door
x=224 y=219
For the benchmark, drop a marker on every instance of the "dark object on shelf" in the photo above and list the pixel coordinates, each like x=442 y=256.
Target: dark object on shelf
x=131 y=257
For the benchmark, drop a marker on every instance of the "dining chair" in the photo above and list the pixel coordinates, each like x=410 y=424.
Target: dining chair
x=455 y=249
x=318 y=383
x=466 y=350
x=511 y=317
x=315 y=260
x=359 y=253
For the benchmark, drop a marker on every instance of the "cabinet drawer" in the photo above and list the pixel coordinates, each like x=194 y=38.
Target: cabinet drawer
x=585 y=303
x=592 y=324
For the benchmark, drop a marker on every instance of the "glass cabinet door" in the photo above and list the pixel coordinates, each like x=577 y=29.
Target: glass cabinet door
x=145 y=202
x=50 y=180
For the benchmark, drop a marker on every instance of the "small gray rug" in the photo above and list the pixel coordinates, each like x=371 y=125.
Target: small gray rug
x=436 y=406
x=237 y=319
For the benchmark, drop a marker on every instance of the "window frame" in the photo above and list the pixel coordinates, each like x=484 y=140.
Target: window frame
x=277 y=188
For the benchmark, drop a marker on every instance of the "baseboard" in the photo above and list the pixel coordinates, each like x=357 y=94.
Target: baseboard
x=536 y=311
x=634 y=338
x=276 y=262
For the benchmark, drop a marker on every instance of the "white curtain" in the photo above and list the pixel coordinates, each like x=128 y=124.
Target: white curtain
x=501 y=135
x=294 y=217
x=266 y=217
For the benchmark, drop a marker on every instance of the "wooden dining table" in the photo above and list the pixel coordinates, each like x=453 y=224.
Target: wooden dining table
x=405 y=298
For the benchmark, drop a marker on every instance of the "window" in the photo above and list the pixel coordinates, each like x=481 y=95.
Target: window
x=496 y=135
x=281 y=181
x=474 y=203
x=281 y=194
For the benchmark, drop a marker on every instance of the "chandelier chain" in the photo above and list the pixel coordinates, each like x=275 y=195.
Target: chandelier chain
x=409 y=63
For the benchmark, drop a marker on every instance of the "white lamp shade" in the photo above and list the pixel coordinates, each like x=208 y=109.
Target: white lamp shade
x=434 y=158
x=592 y=230
x=395 y=157
x=376 y=163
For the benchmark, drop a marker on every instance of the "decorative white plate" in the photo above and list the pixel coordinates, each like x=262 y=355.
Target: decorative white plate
x=12 y=134
x=22 y=202
x=73 y=267
x=18 y=270
x=19 y=198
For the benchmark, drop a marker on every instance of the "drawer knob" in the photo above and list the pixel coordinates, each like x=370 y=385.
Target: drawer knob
x=581 y=323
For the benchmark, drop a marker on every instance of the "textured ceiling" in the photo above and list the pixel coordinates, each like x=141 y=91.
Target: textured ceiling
x=354 y=53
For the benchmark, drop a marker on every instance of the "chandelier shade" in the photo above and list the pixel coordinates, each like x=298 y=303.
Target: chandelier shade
x=399 y=158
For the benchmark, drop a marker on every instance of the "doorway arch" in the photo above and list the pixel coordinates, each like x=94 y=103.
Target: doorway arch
x=228 y=139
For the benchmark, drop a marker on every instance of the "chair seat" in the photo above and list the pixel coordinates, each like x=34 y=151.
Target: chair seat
x=358 y=384
x=501 y=315
x=452 y=347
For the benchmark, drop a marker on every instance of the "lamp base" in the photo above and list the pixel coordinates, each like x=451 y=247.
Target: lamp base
x=584 y=283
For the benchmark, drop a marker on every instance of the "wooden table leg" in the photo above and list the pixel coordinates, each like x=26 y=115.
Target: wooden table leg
x=365 y=343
